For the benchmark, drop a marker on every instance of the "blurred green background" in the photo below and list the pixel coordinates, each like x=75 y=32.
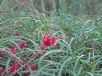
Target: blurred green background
x=81 y=8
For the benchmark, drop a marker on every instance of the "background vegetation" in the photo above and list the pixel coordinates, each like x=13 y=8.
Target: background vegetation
x=79 y=51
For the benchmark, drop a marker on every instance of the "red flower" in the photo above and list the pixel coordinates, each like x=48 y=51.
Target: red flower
x=1 y=69
x=54 y=41
x=34 y=67
x=13 y=49
x=47 y=41
x=13 y=67
x=2 y=74
x=23 y=44
x=17 y=34
x=1 y=54
x=26 y=74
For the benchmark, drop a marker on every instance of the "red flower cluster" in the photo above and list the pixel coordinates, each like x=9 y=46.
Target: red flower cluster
x=34 y=67
x=26 y=74
x=1 y=69
x=21 y=45
x=13 y=67
x=13 y=49
x=17 y=34
x=2 y=74
x=55 y=41
x=1 y=54
x=47 y=41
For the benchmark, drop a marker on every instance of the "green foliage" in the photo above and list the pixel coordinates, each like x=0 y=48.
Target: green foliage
x=77 y=55
x=79 y=51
